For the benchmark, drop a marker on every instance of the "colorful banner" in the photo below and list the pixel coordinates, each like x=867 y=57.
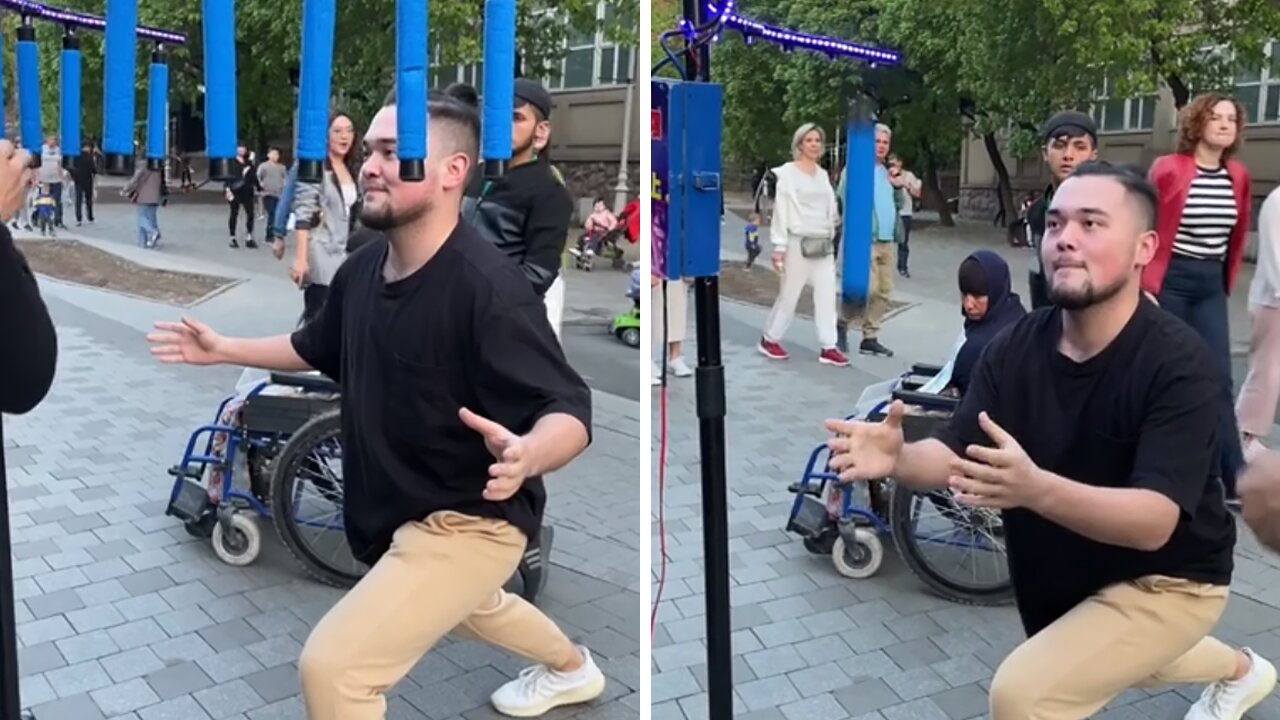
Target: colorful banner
x=659 y=141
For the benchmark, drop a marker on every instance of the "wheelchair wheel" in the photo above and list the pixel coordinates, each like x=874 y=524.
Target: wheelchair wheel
x=862 y=558
x=307 y=502
x=958 y=551
x=239 y=546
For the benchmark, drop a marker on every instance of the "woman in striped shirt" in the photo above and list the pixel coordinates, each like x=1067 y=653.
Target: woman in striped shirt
x=1205 y=201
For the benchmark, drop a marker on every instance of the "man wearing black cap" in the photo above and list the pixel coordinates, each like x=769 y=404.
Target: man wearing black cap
x=1070 y=140
x=525 y=212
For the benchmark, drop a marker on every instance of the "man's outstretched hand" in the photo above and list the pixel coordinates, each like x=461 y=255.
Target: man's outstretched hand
x=864 y=451
x=508 y=449
x=190 y=341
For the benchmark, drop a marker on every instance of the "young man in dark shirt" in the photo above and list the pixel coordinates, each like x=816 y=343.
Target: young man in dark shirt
x=1070 y=139
x=526 y=212
x=1091 y=425
x=456 y=400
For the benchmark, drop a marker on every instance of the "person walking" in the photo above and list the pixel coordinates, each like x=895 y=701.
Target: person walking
x=51 y=174
x=240 y=194
x=456 y=400
x=669 y=349
x=803 y=232
x=271 y=178
x=84 y=175
x=147 y=190
x=1206 y=197
x=1256 y=405
x=908 y=187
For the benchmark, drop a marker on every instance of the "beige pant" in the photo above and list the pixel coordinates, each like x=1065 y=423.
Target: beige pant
x=1148 y=632
x=442 y=575
x=799 y=271
x=677 y=306
x=1256 y=406
x=884 y=259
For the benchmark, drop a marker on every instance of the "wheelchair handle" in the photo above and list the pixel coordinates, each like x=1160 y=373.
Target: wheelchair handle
x=303 y=381
x=928 y=401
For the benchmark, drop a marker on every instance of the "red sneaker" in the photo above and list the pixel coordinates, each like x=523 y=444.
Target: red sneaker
x=772 y=350
x=832 y=356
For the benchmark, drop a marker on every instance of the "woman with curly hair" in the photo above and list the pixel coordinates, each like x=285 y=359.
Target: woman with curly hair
x=1205 y=201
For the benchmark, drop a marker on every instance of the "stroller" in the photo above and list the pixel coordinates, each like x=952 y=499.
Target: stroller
x=626 y=325
x=603 y=245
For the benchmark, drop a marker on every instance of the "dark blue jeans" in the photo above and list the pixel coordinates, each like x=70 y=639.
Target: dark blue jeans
x=1195 y=291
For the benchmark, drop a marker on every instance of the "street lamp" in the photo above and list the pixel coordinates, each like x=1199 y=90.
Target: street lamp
x=621 y=190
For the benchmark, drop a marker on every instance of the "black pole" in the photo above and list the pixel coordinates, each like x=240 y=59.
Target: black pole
x=711 y=413
x=9 y=699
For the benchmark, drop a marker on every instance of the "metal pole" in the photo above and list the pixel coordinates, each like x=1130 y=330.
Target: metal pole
x=9 y=699
x=620 y=190
x=711 y=413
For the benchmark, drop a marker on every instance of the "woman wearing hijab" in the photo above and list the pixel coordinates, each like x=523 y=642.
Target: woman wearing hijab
x=989 y=305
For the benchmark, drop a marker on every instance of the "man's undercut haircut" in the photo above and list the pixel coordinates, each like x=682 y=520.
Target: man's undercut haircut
x=1135 y=185
x=460 y=121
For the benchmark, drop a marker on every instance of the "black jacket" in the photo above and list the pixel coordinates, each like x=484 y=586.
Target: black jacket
x=28 y=345
x=526 y=213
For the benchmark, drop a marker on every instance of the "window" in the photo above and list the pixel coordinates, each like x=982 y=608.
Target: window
x=1259 y=90
x=1115 y=114
x=592 y=60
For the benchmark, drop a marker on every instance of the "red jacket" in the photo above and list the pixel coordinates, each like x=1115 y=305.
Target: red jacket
x=1172 y=176
x=632 y=211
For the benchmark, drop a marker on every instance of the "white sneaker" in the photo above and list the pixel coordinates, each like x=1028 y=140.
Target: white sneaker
x=679 y=368
x=655 y=375
x=1231 y=699
x=540 y=689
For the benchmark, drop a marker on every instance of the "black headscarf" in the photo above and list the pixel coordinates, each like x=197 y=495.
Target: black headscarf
x=984 y=271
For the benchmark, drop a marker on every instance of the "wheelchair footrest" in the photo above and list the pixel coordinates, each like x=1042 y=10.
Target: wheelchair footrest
x=811 y=489
x=178 y=471
x=811 y=519
x=191 y=503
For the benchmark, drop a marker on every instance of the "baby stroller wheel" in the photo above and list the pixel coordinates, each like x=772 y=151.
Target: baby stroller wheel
x=861 y=558
x=630 y=336
x=239 y=545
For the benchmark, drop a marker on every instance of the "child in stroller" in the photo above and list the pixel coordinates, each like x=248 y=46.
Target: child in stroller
x=600 y=237
x=46 y=207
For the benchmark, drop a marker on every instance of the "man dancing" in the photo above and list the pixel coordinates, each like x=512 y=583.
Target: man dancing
x=456 y=399
x=1091 y=425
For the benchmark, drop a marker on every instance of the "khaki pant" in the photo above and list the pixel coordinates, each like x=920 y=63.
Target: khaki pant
x=883 y=259
x=442 y=575
x=1256 y=407
x=677 y=306
x=1148 y=632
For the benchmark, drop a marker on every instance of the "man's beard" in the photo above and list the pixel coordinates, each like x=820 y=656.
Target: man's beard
x=382 y=218
x=1084 y=297
x=522 y=148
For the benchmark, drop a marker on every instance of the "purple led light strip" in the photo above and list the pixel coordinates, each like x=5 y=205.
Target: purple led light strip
x=790 y=38
x=66 y=17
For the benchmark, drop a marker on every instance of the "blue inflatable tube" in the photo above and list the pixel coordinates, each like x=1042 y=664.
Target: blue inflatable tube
x=318 y=18
x=859 y=199
x=499 y=79
x=29 y=120
x=70 y=112
x=411 y=88
x=120 y=85
x=219 y=19
x=157 y=112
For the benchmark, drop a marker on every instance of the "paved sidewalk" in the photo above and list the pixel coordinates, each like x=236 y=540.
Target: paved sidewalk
x=121 y=614
x=807 y=642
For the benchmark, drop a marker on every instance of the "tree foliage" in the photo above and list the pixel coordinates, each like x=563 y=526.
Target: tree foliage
x=268 y=48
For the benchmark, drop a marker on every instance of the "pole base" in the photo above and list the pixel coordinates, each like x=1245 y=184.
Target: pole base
x=155 y=163
x=310 y=171
x=413 y=170
x=222 y=169
x=120 y=165
x=495 y=168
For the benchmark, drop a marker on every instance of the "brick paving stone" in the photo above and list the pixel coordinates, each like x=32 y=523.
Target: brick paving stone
x=122 y=614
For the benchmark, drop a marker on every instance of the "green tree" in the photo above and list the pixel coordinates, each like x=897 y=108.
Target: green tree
x=268 y=47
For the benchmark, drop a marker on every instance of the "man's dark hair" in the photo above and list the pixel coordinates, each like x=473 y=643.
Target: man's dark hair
x=449 y=111
x=1134 y=183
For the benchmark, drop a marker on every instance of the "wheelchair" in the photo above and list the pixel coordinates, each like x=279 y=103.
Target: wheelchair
x=943 y=542
x=287 y=440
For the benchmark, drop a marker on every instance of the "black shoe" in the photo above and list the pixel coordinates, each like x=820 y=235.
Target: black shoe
x=251 y=244
x=905 y=273
x=872 y=346
x=234 y=244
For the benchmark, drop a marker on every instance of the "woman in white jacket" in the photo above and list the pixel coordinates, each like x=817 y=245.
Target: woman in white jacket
x=803 y=232
x=1256 y=406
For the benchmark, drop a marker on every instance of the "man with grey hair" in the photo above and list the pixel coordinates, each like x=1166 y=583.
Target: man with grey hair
x=456 y=400
x=886 y=233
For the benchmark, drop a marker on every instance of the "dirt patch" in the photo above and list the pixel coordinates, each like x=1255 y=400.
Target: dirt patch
x=759 y=286
x=86 y=265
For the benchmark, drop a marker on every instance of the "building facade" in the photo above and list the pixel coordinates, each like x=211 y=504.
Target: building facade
x=1137 y=131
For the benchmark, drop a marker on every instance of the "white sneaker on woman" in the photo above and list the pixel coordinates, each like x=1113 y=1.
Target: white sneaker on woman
x=679 y=368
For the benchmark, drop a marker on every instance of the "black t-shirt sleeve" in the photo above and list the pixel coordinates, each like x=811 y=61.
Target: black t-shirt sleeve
x=523 y=374
x=982 y=393
x=319 y=342
x=28 y=342
x=546 y=230
x=1178 y=437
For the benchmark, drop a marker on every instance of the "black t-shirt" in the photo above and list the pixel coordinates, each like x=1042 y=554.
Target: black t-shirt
x=1142 y=413
x=465 y=330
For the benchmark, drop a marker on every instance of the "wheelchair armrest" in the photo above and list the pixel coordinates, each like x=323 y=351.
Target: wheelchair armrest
x=304 y=381
x=925 y=370
x=928 y=401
